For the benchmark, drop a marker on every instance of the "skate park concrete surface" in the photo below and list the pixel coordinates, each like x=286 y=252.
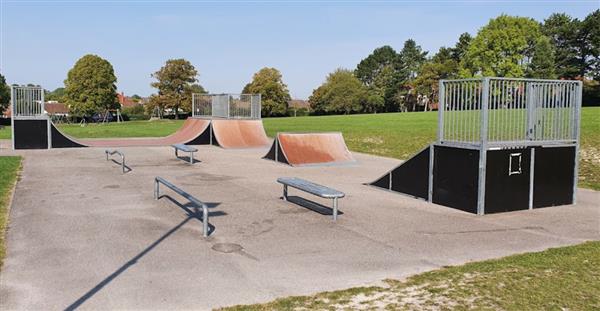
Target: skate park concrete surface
x=83 y=235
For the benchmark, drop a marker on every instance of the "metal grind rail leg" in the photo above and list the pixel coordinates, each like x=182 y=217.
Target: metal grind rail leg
x=198 y=203
x=109 y=152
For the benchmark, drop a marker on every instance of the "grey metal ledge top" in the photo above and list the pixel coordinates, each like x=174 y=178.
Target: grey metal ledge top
x=311 y=187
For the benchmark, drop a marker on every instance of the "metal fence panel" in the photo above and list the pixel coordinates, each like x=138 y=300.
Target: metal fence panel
x=230 y=106
x=27 y=101
x=508 y=111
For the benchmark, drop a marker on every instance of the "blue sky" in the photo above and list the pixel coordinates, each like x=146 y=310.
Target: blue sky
x=227 y=41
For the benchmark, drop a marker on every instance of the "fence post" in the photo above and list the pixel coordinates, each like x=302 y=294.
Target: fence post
x=483 y=147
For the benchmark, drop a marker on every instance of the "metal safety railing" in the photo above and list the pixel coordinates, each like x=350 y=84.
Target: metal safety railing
x=27 y=101
x=509 y=111
x=112 y=152
x=229 y=106
x=193 y=200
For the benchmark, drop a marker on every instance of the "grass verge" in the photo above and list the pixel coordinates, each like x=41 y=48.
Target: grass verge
x=566 y=278
x=9 y=168
x=5 y=132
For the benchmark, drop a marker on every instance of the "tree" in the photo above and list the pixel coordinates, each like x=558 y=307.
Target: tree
x=379 y=73
x=542 y=64
x=410 y=60
x=268 y=82
x=369 y=68
x=90 y=86
x=504 y=47
x=462 y=46
x=174 y=83
x=57 y=94
x=342 y=92
x=562 y=30
x=590 y=42
x=443 y=65
x=4 y=94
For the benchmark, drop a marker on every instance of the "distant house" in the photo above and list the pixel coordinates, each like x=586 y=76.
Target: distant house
x=6 y=113
x=127 y=102
x=298 y=104
x=55 y=108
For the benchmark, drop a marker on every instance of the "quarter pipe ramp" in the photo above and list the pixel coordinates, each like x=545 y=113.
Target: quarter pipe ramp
x=302 y=149
x=235 y=134
x=194 y=131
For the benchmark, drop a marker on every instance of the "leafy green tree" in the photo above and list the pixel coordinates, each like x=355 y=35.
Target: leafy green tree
x=411 y=57
x=90 y=86
x=174 y=83
x=590 y=41
x=542 y=64
x=342 y=92
x=268 y=82
x=379 y=72
x=443 y=65
x=374 y=103
x=4 y=94
x=57 y=94
x=504 y=47
x=369 y=68
x=462 y=46
x=563 y=32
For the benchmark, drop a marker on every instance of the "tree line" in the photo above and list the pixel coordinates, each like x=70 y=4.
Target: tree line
x=560 y=47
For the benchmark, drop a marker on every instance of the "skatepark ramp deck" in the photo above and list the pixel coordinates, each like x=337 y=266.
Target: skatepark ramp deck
x=236 y=134
x=302 y=149
x=194 y=131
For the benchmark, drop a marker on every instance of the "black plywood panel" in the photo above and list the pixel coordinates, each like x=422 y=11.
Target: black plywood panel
x=61 y=141
x=412 y=176
x=271 y=154
x=31 y=134
x=553 y=176
x=507 y=190
x=455 y=176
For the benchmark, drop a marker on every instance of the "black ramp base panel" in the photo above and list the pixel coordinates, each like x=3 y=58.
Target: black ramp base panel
x=203 y=138
x=455 y=177
x=554 y=176
x=59 y=140
x=410 y=177
x=31 y=134
x=276 y=147
x=507 y=190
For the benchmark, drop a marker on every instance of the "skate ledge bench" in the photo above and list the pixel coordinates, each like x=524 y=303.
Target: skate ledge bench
x=185 y=148
x=312 y=188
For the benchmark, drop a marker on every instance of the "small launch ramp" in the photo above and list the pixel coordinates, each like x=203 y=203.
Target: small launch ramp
x=410 y=177
x=298 y=149
x=237 y=134
x=194 y=131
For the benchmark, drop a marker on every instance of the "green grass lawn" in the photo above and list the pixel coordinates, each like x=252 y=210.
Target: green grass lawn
x=5 y=132
x=566 y=278
x=9 y=168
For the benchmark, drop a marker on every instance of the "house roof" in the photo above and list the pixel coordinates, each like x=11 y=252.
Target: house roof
x=298 y=103
x=126 y=101
x=56 y=108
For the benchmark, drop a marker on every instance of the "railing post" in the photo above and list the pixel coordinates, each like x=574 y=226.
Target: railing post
x=205 y=221
x=335 y=208
x=483 y=147
x=156 y=188
x=441 y=104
